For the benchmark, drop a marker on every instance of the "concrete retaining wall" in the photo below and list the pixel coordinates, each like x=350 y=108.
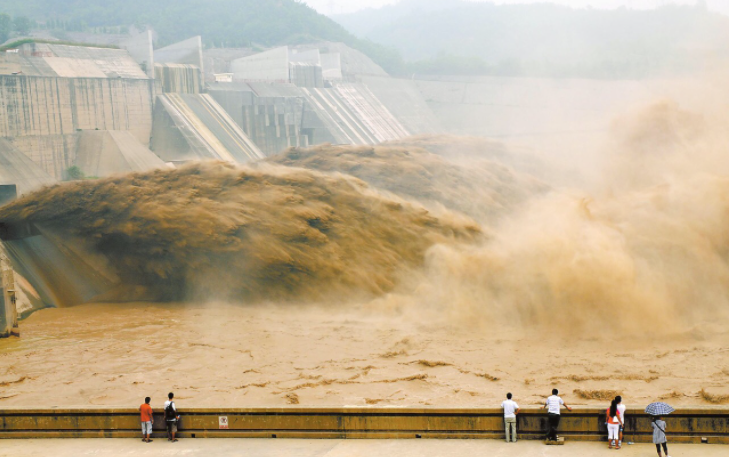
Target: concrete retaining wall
x=686 y=425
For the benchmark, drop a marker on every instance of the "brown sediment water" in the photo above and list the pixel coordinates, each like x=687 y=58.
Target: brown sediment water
x=230 y=355
x=485 y=189
x=398 y=274
x=240 y=233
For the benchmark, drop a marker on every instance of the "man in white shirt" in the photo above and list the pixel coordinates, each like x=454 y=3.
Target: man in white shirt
x=171 y=417
x=621 y=411
x=511 y=409
x=553 y=405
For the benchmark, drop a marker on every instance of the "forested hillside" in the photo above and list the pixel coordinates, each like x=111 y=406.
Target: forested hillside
x=458 y=37
x=220 y=22
x=423 y=36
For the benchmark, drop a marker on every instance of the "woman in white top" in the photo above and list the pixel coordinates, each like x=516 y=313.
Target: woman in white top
x=613 y=424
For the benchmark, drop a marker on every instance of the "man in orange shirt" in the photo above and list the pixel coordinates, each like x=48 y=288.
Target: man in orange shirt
x=147 y=419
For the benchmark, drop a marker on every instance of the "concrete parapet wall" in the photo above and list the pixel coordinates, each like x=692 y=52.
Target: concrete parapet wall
x=687 y=425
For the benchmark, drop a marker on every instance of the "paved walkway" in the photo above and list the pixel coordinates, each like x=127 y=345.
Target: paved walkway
x=335 y=448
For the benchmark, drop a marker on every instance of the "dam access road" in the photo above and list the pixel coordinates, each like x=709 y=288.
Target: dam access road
x=224 y=447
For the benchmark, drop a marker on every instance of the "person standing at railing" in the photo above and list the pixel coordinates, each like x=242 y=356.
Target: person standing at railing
x=621 y=411
x=146 y=416
x=171 y=417
x=614 y=421
x=554 y=404
x=659 y=435
x=511 y=409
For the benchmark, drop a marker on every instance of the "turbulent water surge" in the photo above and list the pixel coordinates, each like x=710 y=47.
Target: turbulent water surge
x=434 y=270
x=217 y=230
x=465 y=228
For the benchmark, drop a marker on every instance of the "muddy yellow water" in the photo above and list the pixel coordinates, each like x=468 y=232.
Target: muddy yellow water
x=232 y=355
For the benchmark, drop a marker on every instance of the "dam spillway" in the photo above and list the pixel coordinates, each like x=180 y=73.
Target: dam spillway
x=73 y=111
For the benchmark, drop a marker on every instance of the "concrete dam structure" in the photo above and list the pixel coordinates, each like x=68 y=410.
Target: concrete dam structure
x=276 y=99
x=196 y=127
x=70 y=111
x=354 y=115
x=106 y=152
x=60 y=271
x=19 y=170
x=50 y=93
x=304 y=96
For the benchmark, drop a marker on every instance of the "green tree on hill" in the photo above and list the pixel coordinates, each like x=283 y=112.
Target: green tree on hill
x=233 y=22
x=73 y=173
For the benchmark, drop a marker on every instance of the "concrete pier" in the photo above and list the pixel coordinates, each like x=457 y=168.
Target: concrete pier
x=8 y=309
x=688 y=425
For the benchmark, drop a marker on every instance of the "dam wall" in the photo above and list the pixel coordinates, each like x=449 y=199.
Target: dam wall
x=40 y=116
x=178 y=78
x=194 y=127
x=186 y=52
x=317 y=93
x=280 y=115
x=548 y=113
x=63 y=271
x=354 y=114
x=270 y=114
x=106 y=152
x=689 y=425
x=18 y=169
x=49 y=92
x=404 y=100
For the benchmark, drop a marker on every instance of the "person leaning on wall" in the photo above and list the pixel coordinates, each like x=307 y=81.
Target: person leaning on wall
x=554 y=405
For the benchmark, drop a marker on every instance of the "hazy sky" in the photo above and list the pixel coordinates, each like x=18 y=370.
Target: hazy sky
x=348 y=6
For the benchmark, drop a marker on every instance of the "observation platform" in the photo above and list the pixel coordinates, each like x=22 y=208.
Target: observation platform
x=335 y=448
x=709 y=425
